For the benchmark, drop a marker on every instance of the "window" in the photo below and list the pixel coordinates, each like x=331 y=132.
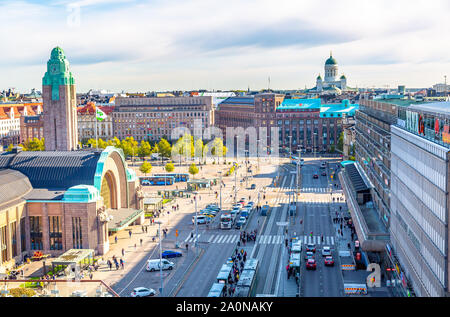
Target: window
x=76 y=233
x=36 y=233
x=3 y=244
x=55 y=232
x=23 y=244
x=12 y=230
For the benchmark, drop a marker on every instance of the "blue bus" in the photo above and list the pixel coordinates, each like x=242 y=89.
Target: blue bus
x=156 y=180
x=216 y=290
x=179 y=177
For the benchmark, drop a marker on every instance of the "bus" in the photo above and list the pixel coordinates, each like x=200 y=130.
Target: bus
x=156 y=180
x=294 y=160
x=226 y=221
x=224 y=273
x=216 y=290
x=178 y=177
x=246 y=285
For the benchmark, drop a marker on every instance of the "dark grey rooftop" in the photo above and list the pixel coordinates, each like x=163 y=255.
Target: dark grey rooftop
x=239 y=101
x=13 y=185
x=53 y=170
x=45 y=194
x=356 y=179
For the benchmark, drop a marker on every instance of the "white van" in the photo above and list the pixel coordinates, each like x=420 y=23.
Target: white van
x=153 y=265
x=296 y=247
x=201 y=219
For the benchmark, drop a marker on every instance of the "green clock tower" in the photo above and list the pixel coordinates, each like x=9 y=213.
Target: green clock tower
x=60 y=110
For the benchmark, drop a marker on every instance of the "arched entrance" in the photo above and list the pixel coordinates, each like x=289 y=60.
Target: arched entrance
x=109 y=191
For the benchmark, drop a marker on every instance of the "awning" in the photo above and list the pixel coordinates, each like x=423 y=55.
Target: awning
x=122 y=218
x=74 y=256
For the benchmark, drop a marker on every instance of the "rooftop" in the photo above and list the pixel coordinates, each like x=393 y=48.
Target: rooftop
x=440 y=107
x=250 y=101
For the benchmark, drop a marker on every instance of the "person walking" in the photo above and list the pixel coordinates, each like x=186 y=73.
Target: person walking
x=109 y=264
x=129 y=233
x=123 y=252
x=91 y=275
x=115 y=239
x=140 y=241
x=121 y=263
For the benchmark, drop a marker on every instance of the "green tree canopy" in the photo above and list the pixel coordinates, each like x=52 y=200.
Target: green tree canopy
x=144 y=149
x=146 y=167
x=164 y=148
x=169 y=167
x=193 y=169
x=34 y=145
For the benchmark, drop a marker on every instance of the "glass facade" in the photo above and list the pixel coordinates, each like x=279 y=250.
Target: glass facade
x=77 y=233
x=3 y=244
x=55 y=232
x=13 y=231
x=36 y=233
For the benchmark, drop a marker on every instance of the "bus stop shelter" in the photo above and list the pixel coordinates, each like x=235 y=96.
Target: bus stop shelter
x=81 y=257
x=152 y=204
x=196 y=184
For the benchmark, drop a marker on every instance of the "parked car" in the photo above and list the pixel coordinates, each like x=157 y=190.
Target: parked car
x=201 y=219
x=253 y=186
x=153 y=265
x=171 y=254
x=324 y=173
x=315 y=176
x=329 y=261
x=240 y=222
x=143 y=292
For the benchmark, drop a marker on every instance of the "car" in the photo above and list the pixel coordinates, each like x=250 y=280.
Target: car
x=253 y=186
x=240 y=222
x=251 y=203
x=171 y=254
x=311 y=247
x=202 y=219
x=143 y=292
x=329 y=261
x=311 y=264
x=309 y=255
x=206 y=215
x=323 y=165
x=315 y=176
x=326 y=251
x=324 y=173
x=146 y=182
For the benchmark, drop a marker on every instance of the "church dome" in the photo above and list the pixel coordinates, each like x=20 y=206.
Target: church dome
x=57 y=52
x=331 y=61
x=319 y=77
x=343 y=77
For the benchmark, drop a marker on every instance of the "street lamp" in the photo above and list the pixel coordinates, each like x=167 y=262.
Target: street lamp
x=160 y=259
x=246 y=168
x=220 y=189
x=196 y=224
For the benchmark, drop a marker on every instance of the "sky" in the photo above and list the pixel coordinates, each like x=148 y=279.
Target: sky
x=163 y=45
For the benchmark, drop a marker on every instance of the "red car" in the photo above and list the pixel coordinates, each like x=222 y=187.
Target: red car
x=311 y=264
x=315 y=176
x=329 y=261
x=311 y=248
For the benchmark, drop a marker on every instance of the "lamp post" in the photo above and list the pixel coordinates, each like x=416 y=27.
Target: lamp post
x=246 y=168
x=220 y=189
x=196 y=224
x=160 y=259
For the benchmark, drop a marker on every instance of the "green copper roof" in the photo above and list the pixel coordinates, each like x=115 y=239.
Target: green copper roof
x=81 y=194
x=343 y=77
x=331 y=61
x=319 y=77
x=57 y=72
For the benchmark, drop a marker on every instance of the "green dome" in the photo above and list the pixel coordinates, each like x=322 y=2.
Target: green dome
x=343 y=77
x=319 y=77
x=57 y=52
x=331 y=61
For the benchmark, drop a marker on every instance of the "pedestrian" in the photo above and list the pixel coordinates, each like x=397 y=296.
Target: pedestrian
x=123 y=252
x=91 y=275
x=135 y=246
x=109 y=264
x=121 y=263
x=115 y=239
x=143 y=230
x=141 y=242
x=187 y=246
x=146 y=229
x=129 y=233
x=117 y=265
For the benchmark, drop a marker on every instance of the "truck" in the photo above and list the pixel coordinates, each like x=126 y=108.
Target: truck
x=265 y=210
x=226 y=221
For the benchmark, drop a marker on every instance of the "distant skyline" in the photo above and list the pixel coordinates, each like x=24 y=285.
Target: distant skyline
x=161 y=45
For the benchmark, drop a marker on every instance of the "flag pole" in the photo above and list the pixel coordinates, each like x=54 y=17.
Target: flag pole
x=96 y=136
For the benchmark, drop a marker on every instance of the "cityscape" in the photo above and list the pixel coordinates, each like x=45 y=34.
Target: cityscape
x=336 y=186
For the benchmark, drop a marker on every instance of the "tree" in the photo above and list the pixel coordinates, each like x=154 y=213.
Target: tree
x=145 y=168
x=340 y=145
x=217 y=149
x=155 y=149
x=193 y=169
x=169 y=167
x=164 y=148
x=205 y=151
x=34 y=145
x=145 y=149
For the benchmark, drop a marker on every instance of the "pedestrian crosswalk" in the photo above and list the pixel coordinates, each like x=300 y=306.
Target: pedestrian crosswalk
x=262 y=239
x=327 y=240
x=315 y=190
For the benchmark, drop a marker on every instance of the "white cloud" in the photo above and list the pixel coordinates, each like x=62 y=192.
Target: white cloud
x=185 y=44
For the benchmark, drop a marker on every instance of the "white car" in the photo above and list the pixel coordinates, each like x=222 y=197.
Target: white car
x=326 y=251
x=143 y=292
